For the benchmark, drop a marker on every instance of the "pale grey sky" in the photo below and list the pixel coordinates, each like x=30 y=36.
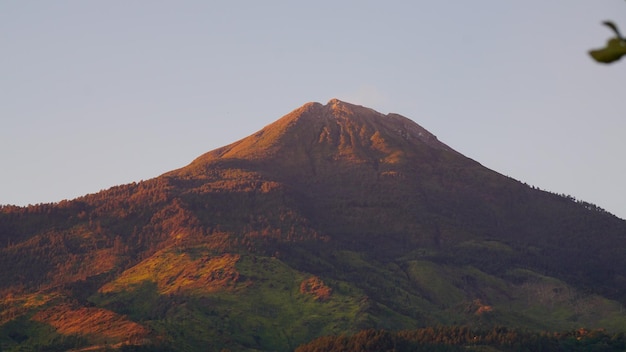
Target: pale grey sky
x=100 y=93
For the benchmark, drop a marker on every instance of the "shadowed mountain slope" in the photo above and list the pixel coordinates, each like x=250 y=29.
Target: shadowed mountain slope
x=332 y=219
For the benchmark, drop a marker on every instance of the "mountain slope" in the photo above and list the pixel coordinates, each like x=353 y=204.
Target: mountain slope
x=332 y=219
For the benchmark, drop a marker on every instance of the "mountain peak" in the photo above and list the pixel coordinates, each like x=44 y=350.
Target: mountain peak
x=337 y=104
x=317 y=133
x=342 y=108
x=404 y=127
x=337 y=130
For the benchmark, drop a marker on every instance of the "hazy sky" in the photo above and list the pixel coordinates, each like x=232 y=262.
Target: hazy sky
x=99 y=93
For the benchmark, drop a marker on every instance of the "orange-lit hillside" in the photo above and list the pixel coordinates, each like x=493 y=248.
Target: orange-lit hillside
x=99 y=325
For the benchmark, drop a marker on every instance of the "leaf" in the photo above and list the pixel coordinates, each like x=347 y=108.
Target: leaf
x=614 y=50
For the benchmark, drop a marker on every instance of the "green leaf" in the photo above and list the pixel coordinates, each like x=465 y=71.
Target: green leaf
x=614 y=50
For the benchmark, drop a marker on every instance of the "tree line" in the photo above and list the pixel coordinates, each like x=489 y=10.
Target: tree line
x=462 y=338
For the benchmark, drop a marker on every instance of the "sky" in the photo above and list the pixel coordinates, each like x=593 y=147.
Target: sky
x=100 y=93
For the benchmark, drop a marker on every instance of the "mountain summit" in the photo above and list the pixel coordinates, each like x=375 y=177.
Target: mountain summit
x=333 y=219
x=337 y=131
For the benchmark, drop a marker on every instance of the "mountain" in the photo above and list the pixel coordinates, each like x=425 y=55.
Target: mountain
x=333 y=219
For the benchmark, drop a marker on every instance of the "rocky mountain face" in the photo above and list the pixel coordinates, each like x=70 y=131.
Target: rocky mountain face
x=333 y=219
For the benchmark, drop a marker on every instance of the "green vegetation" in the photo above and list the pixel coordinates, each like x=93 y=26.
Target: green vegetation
x=468 y=339
x=263 y=306
x=24 y=335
